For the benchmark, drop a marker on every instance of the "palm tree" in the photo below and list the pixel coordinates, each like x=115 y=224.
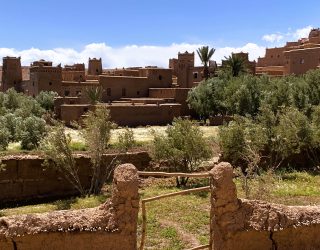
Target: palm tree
x=94 y=94
x=205 y=54
x=235 y=63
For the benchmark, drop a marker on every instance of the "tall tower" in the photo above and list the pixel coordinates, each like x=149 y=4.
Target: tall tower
x=95 y=66
x=11 y=73
x=185 y=64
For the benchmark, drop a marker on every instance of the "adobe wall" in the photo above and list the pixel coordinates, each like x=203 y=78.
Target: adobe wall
x=178 y=94
x=301 y=60
x=112 y=225
x=141 y=115
x=117 y=87
x=273 y=57
x=26 y=179
x=127 y=114
x=250 y=224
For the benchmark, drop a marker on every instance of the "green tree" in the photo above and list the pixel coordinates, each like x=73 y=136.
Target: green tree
x=31 y=131
x=235 y=64
x=46 y=99
x=97 y=133
x=11 y=122
x=242 y=95
x=58 y=154
x=4 y=137
x=183 y=147
x=11 y=99
x=201 y=100
x=205 y=55
x=207 y=98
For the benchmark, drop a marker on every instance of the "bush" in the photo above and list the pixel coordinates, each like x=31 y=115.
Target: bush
x=293 y=134
x=31 y=131
x=11 y=122
x=126 y=140
x=4 y=137
x=58 y=154
x=97 y=133
x=182 y=147
x=46 y=99
x=273 y=139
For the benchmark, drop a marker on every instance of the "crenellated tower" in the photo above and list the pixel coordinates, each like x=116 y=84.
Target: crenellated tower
x=95 y=66
x=11 y=73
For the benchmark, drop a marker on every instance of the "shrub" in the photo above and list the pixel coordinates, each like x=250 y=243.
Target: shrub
x=29 y=107
x=97 y=133
x=58 y=154
x=271 y=138
x=4 y=137
x=46 y=99
x=94 y=94
x=201 y=99
x=183 y=147
x=11 y=122
x=31 y=131
x=293 y=134
x=11 y=99
x=126 y=140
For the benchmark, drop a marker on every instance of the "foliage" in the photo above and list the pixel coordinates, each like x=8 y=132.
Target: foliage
x=272 y=139
x=31 y=131
x=201 y=99
x=11 y=122
x=46 y=99
x=205 y=55
x=242 y=95
x=235 y=64
x=58 y=154
x=247 y=94
x=20 y=115
x=97 y=133
x=94 y=94
x=126 y=140
x=182 y=147
x=4 y=137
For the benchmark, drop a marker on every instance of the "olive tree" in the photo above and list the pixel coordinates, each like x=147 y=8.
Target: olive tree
x=96 y=131
x=183 y=147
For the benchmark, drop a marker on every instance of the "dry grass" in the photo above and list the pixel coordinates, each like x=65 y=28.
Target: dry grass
x=142 y=135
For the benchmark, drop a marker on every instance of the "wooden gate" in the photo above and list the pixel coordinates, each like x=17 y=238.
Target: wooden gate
x=193 y=190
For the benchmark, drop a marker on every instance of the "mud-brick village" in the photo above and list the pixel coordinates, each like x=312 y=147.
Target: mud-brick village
x=160 y=125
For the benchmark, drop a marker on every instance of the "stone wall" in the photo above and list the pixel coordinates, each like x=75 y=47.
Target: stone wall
x=112 y=225
x=127 y=114
x=26 y=179
x=250 y=224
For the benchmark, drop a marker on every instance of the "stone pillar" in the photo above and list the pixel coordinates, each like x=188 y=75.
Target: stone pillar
x=125 y=200
x=224 y=204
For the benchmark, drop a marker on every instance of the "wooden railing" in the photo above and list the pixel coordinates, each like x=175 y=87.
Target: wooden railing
x=165 y=174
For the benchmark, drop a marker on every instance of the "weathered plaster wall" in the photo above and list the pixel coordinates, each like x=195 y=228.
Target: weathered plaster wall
x=26 y=179
x=127 y=114
x=112 y=225
x=243 y=224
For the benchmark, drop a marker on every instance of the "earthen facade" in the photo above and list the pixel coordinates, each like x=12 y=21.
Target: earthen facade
x=135 y=96
x=294 y=58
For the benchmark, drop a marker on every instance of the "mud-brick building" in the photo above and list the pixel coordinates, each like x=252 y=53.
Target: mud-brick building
x=135 y=96
x=293 y=58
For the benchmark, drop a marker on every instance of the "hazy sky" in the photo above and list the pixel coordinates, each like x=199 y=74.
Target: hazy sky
x=144 y=32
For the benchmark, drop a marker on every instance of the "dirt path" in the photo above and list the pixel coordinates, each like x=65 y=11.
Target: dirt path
x=189 y=239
